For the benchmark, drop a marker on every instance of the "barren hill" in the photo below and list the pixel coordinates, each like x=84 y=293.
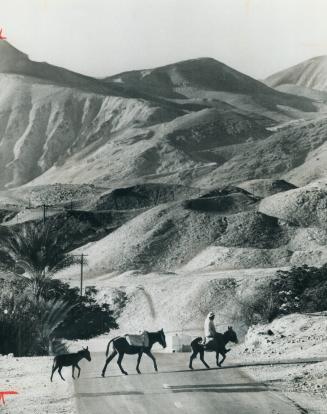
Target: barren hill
x=13 y=61
x=177 y=124
x=200 y=74
x=206 y=81
x=188 y=172
x=171 y=145
x=311 y=73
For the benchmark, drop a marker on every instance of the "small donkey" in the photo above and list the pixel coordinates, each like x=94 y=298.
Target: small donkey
x=66 y=360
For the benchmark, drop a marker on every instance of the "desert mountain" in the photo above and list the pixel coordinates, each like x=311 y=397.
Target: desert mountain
x=193 y=172
x=175 y=124
x=208 y=81
x=311 y=74
x=227 y=228
x=184 y=78
x=13 y=61
x=48 y=113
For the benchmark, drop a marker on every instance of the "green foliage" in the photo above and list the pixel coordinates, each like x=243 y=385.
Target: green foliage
x=301 y=289
x=119 y=301
x=37 y=310
x=36 y=253
x=87 y=318
x=27 y=324
x=30 y=325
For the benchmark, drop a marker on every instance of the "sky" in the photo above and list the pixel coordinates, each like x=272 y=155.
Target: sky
x=104 y=37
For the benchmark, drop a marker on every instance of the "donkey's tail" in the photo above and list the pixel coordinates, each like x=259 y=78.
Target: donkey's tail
x=108 y=346
x=55 y=360
x=54 y=366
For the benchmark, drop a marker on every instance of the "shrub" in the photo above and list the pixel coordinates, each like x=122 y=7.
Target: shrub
x=30 y=325
x=87 y=318
x=119 y=301
x=300 y=289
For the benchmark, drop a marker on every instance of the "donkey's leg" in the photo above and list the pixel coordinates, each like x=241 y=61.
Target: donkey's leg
x=149 y=354
x=138 y=362
x=224 y=356
x=110 y=357
x=79 y=370
x=54 y=368
x=73 y=368
x=217 y=358
x=202 y=358
x=192 y=357
x=119 y=361
x=59 y=371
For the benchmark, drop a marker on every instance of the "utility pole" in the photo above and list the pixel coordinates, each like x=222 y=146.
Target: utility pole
x=82 y=263
x=44 y=206
x=82 y=256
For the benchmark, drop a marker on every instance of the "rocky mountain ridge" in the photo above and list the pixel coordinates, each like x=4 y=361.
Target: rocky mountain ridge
x=176 y=124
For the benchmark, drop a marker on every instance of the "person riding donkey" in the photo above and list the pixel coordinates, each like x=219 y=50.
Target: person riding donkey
x=210 y=332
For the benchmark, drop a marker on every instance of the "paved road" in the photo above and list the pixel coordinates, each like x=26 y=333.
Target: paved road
x=174 y=389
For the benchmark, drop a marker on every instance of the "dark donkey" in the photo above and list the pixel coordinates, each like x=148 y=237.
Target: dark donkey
x=66 y=360
x=216 y=345
x=121 y=347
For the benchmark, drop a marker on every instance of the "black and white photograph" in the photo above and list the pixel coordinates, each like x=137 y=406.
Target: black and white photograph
x=163 y=206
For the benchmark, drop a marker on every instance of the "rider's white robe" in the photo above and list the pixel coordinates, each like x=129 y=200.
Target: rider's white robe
x=209 y=328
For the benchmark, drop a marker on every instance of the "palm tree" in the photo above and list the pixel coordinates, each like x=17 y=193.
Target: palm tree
x=29 y=326
x=52 y=313
x=37 y=251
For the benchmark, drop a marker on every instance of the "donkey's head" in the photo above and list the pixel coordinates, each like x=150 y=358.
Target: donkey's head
x=162 y=338
x=86 y=353
x=231 y=335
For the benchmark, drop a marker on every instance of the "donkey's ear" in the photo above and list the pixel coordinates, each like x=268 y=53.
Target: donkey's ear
x=161 y=329
x=87 y=348
x=230 y=328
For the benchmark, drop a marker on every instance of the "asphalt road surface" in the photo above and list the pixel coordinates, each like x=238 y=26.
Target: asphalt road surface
x=174 y=389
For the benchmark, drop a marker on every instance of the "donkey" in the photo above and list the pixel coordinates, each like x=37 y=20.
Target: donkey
x=122 y=347
x=216 y=345
x=67 y=360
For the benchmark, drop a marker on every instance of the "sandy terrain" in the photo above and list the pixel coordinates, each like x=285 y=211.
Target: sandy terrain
x=295 y=338
x=293 y=360
x=30 y=377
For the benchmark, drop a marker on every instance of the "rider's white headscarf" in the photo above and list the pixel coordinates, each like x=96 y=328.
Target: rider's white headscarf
x=209 y=326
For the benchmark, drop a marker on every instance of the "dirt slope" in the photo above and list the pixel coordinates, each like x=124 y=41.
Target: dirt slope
x=59 y=126
x=311 y=73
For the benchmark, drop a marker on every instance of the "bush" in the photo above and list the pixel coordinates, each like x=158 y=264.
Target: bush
x=119 y=301
x=301 y=289
x=87 y=318
x=29 y=326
